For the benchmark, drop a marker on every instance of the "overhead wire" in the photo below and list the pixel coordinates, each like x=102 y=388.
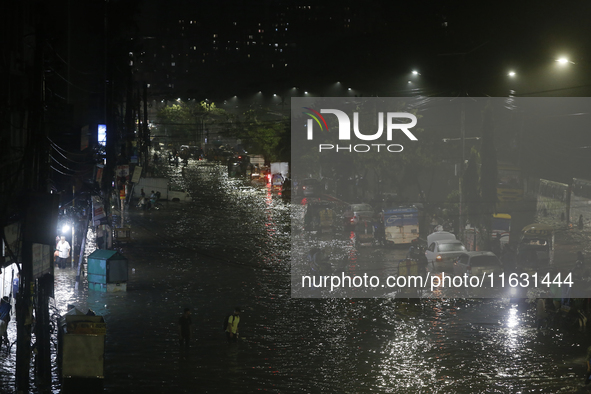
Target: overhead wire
x=56 y=170
x=73 y=161
x=67 y=168
x=72 y=84
x=66 y=62
x=63 y=150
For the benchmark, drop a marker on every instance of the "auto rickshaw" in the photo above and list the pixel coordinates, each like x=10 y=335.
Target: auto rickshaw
x=536 y=246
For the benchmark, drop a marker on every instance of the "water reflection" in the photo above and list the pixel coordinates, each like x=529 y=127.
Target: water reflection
x=231 y=246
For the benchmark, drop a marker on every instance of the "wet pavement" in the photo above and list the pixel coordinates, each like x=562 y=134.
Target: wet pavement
x=230 y=247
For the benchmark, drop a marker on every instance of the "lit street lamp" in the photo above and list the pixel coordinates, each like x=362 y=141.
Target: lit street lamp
x=564 y=60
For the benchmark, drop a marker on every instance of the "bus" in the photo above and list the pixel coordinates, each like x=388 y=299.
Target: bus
x=401 y=224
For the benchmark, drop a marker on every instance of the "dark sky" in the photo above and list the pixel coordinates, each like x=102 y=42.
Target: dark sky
x=459 y=46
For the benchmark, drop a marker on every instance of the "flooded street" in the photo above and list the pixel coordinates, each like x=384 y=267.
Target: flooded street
x=231 y=247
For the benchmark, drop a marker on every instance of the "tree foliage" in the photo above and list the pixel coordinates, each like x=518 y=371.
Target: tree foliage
x=185 y=119
x=479 y=183
x=263 y=133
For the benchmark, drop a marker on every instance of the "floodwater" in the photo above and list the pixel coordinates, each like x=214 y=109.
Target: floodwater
x=230 y=247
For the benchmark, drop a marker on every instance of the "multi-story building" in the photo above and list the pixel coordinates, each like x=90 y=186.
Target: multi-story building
x=216 y=51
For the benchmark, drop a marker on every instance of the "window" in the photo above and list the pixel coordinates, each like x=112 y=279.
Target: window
x=455 y=247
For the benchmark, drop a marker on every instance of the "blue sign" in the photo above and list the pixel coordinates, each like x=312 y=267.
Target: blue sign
x=102 y=134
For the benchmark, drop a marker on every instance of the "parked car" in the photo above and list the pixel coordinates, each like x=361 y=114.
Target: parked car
x=310 y=187
x=442 y=254
x=352 y=214
x=440 y=236
x=176 y=194
x=477 y=263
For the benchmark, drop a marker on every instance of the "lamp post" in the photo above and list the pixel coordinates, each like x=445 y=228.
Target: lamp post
x=462 y=139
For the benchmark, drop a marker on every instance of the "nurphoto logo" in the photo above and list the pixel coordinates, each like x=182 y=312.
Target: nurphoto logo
x=344 y=133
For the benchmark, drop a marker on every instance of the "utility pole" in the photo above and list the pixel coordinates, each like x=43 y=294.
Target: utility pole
x=34 y=134
x=140 y=129
x=145 y=122
x=461 y=170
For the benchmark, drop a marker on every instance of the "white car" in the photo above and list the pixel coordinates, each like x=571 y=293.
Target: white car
x=477 y=263
x=179 y=195
x=442 y=254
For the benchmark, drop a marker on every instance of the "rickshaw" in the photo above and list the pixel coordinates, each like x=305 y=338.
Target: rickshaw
x=536 y=246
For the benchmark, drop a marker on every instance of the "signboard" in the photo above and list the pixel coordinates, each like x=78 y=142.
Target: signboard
x=123 y=171
x=102 y=134
x=12 y=233
x=99 y=174
x=137 y=172
x=41 y=260
x=98 y=212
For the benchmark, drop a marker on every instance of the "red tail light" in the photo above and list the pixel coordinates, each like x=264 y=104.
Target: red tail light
x=269 y=177
x=439 y=258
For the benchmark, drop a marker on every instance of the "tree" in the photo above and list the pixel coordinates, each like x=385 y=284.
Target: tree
x=263 y=134
x=186 y=120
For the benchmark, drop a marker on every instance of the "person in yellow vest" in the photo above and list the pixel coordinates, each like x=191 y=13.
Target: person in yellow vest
x=327 y=217
x=232 y=328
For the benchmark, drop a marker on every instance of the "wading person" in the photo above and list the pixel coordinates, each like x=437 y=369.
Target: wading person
x=232 y=326
x=63 y=250
x=185 y=327
x=5 y=308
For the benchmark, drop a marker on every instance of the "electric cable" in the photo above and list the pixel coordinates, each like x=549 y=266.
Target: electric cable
x=66 y=62
x=63 y=150
x=70 y=83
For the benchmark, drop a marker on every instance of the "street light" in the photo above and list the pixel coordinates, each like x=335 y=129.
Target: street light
x=511 y=74
x=564 y=60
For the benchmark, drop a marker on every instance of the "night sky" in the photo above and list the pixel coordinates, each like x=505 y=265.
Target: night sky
x=459 y=47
